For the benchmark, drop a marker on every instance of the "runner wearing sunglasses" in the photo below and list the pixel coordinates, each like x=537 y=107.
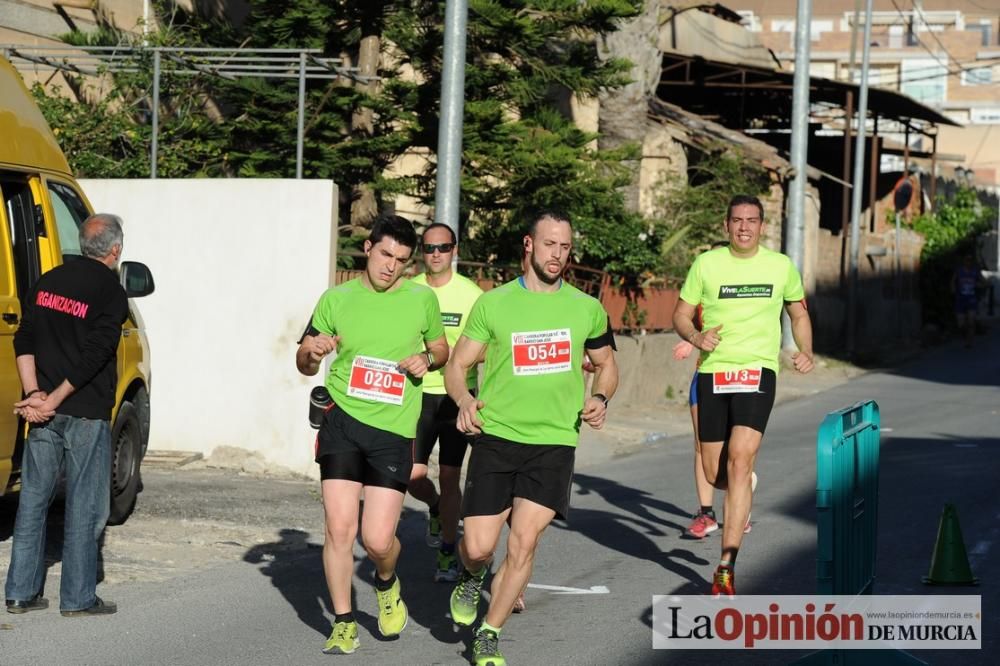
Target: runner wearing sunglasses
x=456 y=295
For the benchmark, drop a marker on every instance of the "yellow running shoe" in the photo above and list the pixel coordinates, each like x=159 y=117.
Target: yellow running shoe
x=465 y=597
x=486 y=649
x=392 y=615
x=343 y=639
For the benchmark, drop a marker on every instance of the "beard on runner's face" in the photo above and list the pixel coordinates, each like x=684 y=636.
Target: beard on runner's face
x=545 y=276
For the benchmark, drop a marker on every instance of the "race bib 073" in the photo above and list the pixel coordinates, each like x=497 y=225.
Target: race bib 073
x=376 y=379
x=542 y=352
x=736 y=381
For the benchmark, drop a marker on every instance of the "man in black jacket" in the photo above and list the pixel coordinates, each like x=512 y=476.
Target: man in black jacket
x=66 y=357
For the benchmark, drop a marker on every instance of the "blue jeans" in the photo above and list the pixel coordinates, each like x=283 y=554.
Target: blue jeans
x=84 y=446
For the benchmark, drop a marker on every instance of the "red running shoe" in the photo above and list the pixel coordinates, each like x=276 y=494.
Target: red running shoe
x=723 y=583
x=702 y=525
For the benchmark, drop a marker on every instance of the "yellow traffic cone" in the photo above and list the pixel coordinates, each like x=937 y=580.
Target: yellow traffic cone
x=949 y=563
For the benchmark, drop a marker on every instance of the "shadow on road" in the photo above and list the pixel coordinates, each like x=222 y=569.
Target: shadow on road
x=427 y=601
x=295 y=567
x=628 y=530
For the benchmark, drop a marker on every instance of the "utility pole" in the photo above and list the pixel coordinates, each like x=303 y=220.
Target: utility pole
x=857 y=184
x=300 y=118
x=449 y=154
x=795 y=233
x=154 y=148
x=854 y=41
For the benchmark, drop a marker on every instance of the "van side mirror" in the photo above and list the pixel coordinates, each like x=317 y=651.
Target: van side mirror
x=136 y=279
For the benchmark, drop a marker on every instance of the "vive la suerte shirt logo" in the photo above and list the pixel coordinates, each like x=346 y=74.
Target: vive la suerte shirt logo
x=745 y=291
x=451 y=318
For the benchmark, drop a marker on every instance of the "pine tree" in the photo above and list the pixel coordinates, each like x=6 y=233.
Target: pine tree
x=520 y=153
x=521 y=150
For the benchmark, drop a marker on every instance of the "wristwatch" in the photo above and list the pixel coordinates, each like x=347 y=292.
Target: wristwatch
x=603 y=398
x=430 y=358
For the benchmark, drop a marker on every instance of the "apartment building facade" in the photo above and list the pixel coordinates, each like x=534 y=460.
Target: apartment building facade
x=942 y=53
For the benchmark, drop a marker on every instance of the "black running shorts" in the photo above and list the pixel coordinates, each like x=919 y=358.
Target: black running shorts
x=350 y=450
x=500 y=470
x=437 y=424
x=719 y=412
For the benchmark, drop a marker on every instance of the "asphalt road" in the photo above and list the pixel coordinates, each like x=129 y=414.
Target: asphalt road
x=228 y=568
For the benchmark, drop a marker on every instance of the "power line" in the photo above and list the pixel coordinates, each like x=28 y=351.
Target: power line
x=923 y=18
x=976 y=4
x=982 y=142
x=947 y=72
x=899 y=10
x=939 y=70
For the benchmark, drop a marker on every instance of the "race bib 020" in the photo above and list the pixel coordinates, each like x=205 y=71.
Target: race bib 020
x=736 y=381
x=542 y=352
x=376 y=379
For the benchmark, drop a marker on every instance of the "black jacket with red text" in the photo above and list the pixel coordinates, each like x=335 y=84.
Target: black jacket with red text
x=72 y=322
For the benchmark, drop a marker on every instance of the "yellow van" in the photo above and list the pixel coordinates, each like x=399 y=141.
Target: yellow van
x=43 y=207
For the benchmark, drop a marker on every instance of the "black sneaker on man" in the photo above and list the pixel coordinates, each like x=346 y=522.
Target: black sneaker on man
x=17 y=607
x=100 y=607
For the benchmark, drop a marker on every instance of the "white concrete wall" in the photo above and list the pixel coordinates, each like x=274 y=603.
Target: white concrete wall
x=238 y=265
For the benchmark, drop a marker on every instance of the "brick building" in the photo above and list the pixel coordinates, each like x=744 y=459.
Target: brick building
x=943 y=53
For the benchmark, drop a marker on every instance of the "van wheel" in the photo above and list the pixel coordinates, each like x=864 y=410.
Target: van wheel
x=126 y=448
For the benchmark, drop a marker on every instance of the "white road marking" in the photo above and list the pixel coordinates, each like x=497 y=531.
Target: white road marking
x=885 y=429
x=558 y=589
x=981 y=548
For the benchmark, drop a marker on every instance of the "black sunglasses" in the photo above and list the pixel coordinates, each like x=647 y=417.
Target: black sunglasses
x=440 y=247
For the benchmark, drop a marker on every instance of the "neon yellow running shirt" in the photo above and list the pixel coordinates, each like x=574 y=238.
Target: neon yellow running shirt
x=746 y=296
x=455 y=299
x=533 y=376
x=377 y=331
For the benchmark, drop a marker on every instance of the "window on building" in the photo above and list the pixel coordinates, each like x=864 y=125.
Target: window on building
x=924 y=80
x=883 y=77
x=985 y=116
x=977 y=76
x=895 y=36
x=750 y=20
x=984 y=30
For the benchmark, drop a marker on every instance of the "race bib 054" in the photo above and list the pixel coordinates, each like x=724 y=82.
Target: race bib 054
x=542 y=352
x=376 y=379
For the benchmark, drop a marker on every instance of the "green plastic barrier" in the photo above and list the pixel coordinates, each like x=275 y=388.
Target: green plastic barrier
x=847 y=453
x=847 y=448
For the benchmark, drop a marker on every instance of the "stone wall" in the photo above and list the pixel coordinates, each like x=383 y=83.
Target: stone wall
x=648 y=374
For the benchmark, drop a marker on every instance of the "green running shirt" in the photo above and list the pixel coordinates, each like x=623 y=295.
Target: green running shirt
x=455 y=299
x=746 y=296
x=378 y=330
x=533 y=385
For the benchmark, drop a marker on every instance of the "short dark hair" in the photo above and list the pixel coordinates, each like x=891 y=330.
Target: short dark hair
x=440 y=225
x=744 y=200
x=539 y=215
x=398 y=228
